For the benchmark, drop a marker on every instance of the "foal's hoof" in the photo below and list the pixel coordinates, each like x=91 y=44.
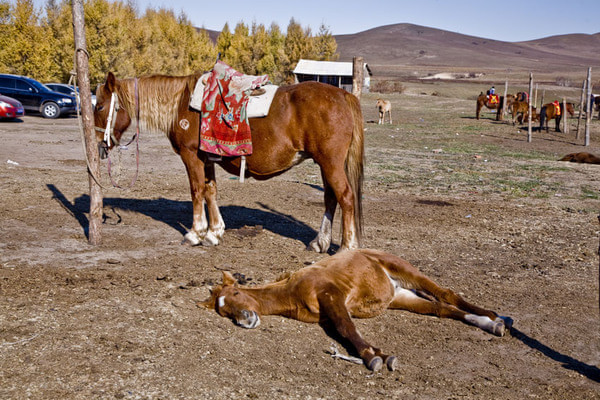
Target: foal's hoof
x=375 y=364
x=508 y=322
x=320 y=246
x=191 y=239
x=390 y=363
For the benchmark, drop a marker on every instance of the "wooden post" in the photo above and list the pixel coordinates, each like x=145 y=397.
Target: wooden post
x=358 y=76
x=529 y=108
x=535 y=99
x=565 y=117
x=83 y=78
x=504 y=99
x=581 y=105
x=588 y=115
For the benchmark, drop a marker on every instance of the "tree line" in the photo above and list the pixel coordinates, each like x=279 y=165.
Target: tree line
x=40 y=44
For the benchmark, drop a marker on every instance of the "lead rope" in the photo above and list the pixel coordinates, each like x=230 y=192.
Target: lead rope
x=136 y=137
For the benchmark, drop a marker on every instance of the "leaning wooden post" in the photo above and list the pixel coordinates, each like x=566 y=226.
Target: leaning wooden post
x=504 y=99
x=93 y=158
x=588 y=114
x=357 y=76
x=535 y=99
x=565 y=116
x=529 y=108
x=583 y=86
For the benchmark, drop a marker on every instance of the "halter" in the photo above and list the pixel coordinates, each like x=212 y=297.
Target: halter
x=110 y=121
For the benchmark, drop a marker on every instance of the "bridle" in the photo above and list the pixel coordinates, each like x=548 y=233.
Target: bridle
x=109 y=134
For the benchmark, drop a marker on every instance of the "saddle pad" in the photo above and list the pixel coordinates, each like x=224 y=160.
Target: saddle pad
x=196 y=99
x=258 y=106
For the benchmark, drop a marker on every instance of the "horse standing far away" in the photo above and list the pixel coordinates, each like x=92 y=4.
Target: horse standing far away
x=483 y=100
x=549 y=111
x=355 y=283
x=384 y=106
x=307 y=120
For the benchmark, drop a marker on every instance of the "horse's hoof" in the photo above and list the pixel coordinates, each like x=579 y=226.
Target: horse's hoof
x=375 y=364
x=319 y=246
x=390 y=362
x=498 y=328
x=191 y=239
x=210 y=240
x=508 y=322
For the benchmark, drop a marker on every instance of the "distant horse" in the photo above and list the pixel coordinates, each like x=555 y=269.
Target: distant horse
x=306 y=120
x=357 y=283
x=520 y=112
x=549 y=111
x=384 y=106
x=584 y=158
x=485 y=100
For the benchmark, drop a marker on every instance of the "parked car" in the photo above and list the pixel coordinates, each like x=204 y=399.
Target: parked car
x=35 y=96
x=69 y=90
x=10 y=108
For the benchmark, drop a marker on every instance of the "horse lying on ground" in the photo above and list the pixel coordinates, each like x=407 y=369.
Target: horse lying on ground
x=309 y=120
x=384 y=106
x=354 y=283
x=585 y=158
x=483 y=100
x=549 y=112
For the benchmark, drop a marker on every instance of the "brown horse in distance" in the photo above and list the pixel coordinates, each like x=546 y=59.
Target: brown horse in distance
x=483 y=101
x=309 y=120
x=355 y=283
x=520 y=112
x=584 y=158
x=549 y=111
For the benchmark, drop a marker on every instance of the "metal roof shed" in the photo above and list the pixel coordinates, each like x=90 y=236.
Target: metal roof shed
x=332 y=72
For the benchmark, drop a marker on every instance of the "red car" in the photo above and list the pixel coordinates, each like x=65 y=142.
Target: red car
x=10 y=108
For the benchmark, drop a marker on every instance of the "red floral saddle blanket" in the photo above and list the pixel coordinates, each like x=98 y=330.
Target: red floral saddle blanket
x=556 y=105
x=224 y=129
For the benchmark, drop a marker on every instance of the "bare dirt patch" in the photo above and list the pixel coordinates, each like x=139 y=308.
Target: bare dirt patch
x=488 y=214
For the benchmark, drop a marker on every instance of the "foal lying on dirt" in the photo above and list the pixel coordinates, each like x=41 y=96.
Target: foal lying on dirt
x=353 y=283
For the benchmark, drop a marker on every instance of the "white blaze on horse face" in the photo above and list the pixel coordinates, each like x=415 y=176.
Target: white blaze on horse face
x=221 y=302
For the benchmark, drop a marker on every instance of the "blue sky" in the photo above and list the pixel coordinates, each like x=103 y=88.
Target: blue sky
x=507 y=20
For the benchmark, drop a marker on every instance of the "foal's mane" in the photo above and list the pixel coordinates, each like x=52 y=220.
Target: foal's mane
x=159 y=99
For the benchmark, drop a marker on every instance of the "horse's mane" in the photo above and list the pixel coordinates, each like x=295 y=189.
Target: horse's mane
x=159 y=98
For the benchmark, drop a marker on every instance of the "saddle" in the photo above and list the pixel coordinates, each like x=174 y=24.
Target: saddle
x=225 y=94
x=493 y=99
x=556 y=105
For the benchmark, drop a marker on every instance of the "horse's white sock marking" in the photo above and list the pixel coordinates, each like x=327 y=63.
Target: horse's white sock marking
x=221 y=301
x=481 y=321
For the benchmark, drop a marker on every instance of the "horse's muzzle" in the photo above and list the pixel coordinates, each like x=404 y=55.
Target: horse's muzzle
x=102 y=150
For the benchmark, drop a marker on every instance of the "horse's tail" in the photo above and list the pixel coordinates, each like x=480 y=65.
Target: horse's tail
x=355 y=159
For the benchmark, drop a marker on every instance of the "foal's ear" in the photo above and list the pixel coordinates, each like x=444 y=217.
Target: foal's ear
x=228 y=279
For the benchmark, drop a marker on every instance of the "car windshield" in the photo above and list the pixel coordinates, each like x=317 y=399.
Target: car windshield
x=39 y=86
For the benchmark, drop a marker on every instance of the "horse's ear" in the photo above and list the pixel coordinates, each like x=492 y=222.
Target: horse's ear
x=111 y=82
x=228 y=279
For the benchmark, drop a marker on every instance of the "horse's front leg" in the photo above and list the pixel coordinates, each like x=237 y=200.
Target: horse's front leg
x=322 y=242
x=216 y=225
x=332 y=308
x=201 y=190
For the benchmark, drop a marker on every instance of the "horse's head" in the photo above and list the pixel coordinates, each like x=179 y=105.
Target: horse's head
x=231 y=301
x=571 y=109
x=110 y=117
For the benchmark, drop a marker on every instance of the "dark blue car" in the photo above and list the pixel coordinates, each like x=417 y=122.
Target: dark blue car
x=36 y=97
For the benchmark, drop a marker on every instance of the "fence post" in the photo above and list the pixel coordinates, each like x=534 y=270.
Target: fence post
x=565 y=116
x=91 y=149
x=588 y=115
x=504 y=99
x=529 y=108
x=357 y=76
x=583 y=86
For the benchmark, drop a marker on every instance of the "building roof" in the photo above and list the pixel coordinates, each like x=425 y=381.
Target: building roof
x=311 y=67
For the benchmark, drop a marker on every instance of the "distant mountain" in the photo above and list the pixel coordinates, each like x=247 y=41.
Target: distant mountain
x=414 y=45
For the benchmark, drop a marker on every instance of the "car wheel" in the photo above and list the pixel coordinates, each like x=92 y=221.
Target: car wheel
x=50 y=110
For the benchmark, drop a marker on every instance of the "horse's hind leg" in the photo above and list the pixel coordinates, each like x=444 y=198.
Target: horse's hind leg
x=323 y=240
x=332 y=308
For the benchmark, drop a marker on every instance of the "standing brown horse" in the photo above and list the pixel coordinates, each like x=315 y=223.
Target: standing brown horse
x=307 y=120
x=549 y=111
x=358 y=283
x=520 y=112
x=483 y=100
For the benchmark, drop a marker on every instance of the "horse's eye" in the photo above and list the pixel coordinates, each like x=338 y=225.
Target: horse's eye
x=99 y=107
x=236 y=293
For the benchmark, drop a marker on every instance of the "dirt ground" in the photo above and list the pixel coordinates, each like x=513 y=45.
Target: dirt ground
x=471 y=203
